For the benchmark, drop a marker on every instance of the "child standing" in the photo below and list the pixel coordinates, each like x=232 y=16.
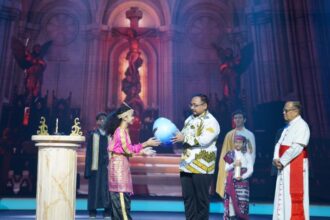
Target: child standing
x=121 y=148
x=96 y=169
x=239 y=166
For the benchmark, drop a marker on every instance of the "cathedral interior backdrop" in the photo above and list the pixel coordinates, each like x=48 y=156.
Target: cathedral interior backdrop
x=248 y=54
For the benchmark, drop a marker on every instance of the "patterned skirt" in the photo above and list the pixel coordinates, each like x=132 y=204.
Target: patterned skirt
x=120 y=179
x=238 y=191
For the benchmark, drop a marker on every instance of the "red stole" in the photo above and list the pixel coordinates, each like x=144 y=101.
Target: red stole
x=296 y=184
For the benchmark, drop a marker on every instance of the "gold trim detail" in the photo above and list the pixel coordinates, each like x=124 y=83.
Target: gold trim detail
x=122 y=135
x=122 y=204
x=205 y=155
x=76 y=129
x=43 y=128
x=191 y=169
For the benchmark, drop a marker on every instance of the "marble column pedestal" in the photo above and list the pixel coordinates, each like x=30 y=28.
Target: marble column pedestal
x=57 y=173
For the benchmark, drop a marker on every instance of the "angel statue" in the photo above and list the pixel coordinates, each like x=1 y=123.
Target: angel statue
x=232 y=66
x=32 y=63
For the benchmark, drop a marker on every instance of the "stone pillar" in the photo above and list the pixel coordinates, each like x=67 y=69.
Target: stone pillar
x=57 y=173
x=264 y=78
x=95 y=74
x=166 y=62
x=320 y=23
x=9 y=13
x=172 y=39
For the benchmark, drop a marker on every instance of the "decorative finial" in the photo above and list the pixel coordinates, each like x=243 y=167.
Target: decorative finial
x=43 y=128
x=76 y=129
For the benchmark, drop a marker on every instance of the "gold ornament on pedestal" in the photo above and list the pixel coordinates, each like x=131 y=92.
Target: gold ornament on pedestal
x=43 y=128
x=76 y=129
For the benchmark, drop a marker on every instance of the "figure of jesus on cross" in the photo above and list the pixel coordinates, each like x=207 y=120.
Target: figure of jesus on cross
x=131 y=84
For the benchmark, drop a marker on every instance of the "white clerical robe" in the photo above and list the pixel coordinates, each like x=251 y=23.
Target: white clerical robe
x=296 y=136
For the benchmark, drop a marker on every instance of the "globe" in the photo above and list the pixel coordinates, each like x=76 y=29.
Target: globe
x=164 y=130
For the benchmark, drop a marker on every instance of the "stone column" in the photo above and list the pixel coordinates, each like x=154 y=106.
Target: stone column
x=9 y=13
x=172 y=39
x=95 y=74
x=320 y=24
x=165 y=76
x=57 y=173
x=264 y=79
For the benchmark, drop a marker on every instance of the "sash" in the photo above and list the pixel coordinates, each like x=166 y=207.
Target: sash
x=228 y=144
x=95 y=151
x=296 y=184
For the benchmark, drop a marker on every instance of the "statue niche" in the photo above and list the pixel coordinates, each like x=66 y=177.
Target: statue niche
x=131 y=84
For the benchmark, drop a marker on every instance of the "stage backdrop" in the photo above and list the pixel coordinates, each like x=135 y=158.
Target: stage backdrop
x=68 y=59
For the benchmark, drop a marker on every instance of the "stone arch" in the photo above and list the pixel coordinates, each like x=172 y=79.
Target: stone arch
x=150 y=9
x=184 y=10
x=76 y=8
x=198 y=59
x=63 y=52
x=75 y=15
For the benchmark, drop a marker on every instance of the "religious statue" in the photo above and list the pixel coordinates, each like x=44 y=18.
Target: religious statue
x=134 y=55
x=32 y=62
x=231 y=68
x=131 y=84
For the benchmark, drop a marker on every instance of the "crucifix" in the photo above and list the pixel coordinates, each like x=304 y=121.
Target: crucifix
x=131 y=84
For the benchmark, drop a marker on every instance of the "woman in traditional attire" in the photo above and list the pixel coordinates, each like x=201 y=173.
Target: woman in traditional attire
x=121 y=148
x=239 y=167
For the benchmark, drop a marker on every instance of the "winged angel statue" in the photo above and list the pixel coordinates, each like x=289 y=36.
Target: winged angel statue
x=232 y=66
x=32 y=62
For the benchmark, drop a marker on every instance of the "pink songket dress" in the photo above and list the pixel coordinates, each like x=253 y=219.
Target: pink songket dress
x=121 y=148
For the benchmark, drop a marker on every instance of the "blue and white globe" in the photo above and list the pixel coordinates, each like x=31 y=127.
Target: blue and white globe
x=164 y=130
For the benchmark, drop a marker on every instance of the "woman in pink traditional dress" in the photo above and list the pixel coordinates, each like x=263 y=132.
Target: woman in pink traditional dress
x=121 y=148
x=239 y=167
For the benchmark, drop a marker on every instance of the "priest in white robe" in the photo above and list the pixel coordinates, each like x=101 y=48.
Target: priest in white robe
x=290 y=158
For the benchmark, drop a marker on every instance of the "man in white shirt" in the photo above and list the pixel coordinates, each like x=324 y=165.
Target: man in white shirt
x=199 y=137
x=290 y=158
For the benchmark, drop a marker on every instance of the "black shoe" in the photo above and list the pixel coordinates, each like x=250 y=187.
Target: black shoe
x=92 y=214
x=107 y=214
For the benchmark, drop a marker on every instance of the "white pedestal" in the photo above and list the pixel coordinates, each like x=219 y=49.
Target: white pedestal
x=57 y=172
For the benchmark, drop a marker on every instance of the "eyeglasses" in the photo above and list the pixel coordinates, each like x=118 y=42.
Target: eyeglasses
x=288 y=110
x=195 y=106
